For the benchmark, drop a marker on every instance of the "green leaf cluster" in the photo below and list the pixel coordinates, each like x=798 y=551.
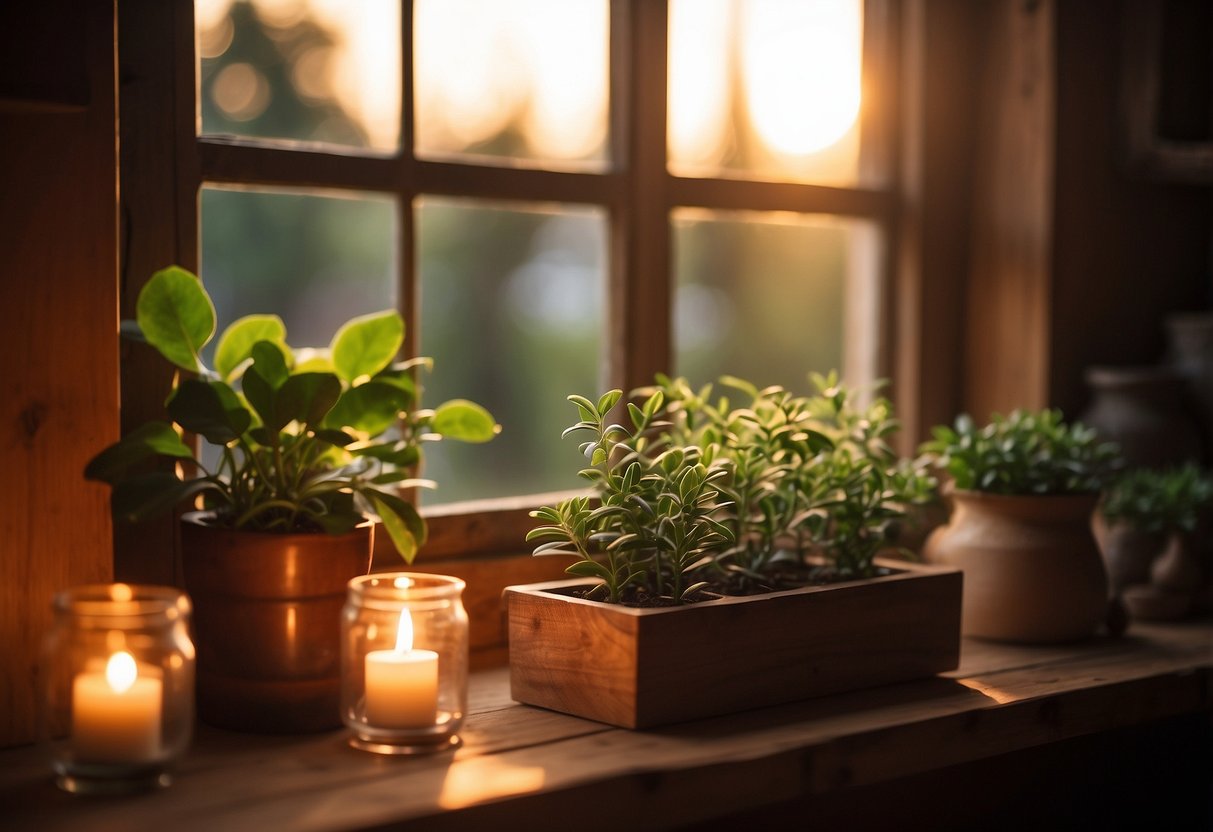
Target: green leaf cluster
x=693 y=490
x=309 y=440
x=1159 y=500
x=1025 y=453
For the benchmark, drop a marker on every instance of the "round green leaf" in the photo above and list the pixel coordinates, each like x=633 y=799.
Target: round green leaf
x=369 y=408
x=465 y=421
x=176 y=316
x=211 y=409
x=236 y=343
x=366 y=344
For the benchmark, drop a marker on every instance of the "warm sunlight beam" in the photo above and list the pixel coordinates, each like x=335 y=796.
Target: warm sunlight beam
x=699 y=80
x=801 y=71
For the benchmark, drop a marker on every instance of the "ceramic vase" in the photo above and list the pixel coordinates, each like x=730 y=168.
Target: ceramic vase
x=1032 y=570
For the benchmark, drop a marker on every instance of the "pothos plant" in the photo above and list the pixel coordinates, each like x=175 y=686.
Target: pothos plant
x=696 y=491
x=308 y=440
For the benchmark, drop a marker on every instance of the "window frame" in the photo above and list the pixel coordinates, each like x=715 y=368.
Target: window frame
x=166 y=163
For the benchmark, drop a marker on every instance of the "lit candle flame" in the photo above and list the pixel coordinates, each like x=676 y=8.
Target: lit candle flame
x=404 y=633
x=121 y=670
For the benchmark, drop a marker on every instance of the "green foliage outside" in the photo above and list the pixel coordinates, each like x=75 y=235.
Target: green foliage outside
x=308 y=440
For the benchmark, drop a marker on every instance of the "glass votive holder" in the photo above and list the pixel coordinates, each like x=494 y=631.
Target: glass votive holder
x=404 y=662
x=117 y=685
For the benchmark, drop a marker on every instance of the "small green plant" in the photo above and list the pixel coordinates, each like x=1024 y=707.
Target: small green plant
x=657 y=513
x=1159 y=501
x=307 y=440
x=1025 y=453
x=699 y=492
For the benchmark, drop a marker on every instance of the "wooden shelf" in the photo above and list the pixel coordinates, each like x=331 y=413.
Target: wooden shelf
x=522 y=762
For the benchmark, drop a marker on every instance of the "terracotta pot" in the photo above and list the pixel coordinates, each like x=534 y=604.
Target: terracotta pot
x=1032 y=570
x=267 y=623
x=1143 y=410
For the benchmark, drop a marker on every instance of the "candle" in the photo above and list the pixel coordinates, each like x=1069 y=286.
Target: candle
x=116 y=713
x=402 y=684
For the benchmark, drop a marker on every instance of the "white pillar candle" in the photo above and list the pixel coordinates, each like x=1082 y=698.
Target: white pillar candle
x=116 y=713
x=402 y=684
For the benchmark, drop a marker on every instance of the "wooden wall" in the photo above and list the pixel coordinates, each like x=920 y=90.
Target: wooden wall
x=1075 y=258
x=58 y=321
x=1129 y=248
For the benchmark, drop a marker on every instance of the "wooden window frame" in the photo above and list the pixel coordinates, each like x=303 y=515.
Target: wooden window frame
x=165 y=163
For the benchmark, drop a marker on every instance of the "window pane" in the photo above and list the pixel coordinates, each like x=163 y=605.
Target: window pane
x=525 y=80
x=772 y=296
x=302 y=70
x=765 y=89
x=316 y=261
x=513 y=305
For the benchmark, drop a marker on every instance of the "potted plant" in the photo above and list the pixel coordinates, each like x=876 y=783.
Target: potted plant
x=310 y=445
x=1024 y=488
x=1148 y=536
x=728 y=551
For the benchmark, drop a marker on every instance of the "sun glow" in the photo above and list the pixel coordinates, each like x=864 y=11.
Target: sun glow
x=801 y=71
x=761 y=85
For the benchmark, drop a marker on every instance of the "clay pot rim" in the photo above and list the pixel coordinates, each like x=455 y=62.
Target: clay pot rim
x=1058 y=504
x=201 y=520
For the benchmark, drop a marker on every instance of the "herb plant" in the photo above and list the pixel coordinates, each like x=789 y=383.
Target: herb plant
x=1025 y=453
x=309 y=440
x=698 y=491
x=1158 y=501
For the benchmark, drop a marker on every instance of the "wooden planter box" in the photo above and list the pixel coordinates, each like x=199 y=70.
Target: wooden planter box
x=637 y=668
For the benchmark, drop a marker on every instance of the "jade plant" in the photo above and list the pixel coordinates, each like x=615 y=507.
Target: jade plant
x=696 y=492
x=1159 y=501
x=1025 y=453
x=307 y=440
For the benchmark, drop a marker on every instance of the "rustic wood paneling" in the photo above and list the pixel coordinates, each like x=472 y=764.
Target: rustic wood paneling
x=58 y=336
x=1009 y=300
x=1129 y=249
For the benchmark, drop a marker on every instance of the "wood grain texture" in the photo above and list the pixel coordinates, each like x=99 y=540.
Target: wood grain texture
x=522 y=766
x=58 y=336
x=1009 y=301
x=635 y=667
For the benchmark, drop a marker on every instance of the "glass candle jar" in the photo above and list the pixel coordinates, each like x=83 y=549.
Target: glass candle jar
x=404 y=662
x=117 y=687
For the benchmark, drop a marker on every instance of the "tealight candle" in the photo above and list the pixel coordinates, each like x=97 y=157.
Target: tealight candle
x=117 y=687
x=409 y=698
x=402 y=684
x=116 y=713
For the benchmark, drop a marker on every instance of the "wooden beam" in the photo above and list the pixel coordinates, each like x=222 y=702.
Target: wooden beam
x=1007 y=357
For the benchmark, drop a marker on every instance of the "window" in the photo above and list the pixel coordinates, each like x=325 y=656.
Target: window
x=560 y=196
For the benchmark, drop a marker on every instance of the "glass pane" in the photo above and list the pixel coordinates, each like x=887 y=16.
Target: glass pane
x=765 y=89
x=316 y=261
x=525 y=80
x=302 y=70
x=513 y=302
x=772 y=296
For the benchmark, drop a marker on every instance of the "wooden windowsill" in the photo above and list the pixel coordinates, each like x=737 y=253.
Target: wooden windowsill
x=519 y=762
